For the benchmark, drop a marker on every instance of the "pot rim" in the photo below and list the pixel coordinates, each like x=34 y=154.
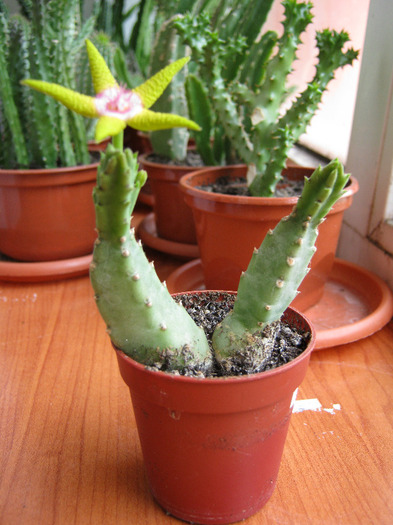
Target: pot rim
x=36 y=171
x=48 y=176
x=248 y=200
x=174 y=167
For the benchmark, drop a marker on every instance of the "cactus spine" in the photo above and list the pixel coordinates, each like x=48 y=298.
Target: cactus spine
x=278 y=267
x=245 y=82
x=141 y=316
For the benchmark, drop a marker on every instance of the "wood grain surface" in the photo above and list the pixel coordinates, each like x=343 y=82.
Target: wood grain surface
x=69 y=450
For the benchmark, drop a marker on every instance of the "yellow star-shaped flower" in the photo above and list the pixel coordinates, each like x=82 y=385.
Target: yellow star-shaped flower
x=114 y=106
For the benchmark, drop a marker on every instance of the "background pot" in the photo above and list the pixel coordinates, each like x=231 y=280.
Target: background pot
x=47 y=215
x=174 y=219
x=212 y=447
x=229 y=227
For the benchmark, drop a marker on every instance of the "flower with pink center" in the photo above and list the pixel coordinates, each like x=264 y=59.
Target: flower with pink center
x=119 y=103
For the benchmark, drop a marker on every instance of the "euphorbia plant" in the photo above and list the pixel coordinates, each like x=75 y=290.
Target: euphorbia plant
x=242 y=83
x=142 y=318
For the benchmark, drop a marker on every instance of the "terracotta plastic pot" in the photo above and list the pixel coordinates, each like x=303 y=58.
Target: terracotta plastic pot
x=212 y=447
x=47 y=215
x=174 y=219
x=229 y=227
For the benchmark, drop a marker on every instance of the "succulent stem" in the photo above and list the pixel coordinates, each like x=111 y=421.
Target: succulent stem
x=141 y=316
x=278 y=267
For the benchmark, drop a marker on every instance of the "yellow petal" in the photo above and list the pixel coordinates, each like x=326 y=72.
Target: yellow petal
x=100 y=73
x=82 y=104
x=108 y=127
x=153 y=88
x=152 y=121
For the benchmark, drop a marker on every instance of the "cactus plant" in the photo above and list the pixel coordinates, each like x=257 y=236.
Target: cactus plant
x=46 y=42
x=142 y=318
x=245 y=84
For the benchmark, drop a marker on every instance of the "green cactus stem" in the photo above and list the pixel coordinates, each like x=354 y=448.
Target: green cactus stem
x=276 y=270
x=142 y=318
x=171 y=143
x=46 y=42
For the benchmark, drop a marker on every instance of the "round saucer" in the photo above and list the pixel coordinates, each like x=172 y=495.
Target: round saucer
x=355 y=304
x=15 y=271
x=147 y=232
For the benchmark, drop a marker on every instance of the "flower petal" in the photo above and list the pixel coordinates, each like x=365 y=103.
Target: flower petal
x=108 y=127
x=152 y=121
x=153 y=88
x=100 y=73
x=82 y=104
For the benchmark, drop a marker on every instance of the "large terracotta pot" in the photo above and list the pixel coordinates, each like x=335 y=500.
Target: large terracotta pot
x=229 y=227
x=174 y=220
x=212 y=447
x=46 y=214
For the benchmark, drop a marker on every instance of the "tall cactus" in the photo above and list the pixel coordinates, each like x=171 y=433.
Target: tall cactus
x=45 y=43
x=248 y=101
x=168 y=48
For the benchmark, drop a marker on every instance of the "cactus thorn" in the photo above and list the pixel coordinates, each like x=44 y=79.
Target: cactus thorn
x=290 y=261
x=125 y=253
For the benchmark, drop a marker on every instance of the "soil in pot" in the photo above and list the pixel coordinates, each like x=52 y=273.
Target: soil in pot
x=280 y=342
x=238 y=186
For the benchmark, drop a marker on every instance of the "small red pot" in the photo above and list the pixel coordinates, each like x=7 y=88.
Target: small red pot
x=174 y=219
x=212 y=447
x=229 y=227
x=47 y=214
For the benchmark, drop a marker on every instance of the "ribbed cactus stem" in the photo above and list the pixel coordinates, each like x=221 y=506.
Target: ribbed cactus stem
x=171 y=143
x=278 y=267
x=142 y=318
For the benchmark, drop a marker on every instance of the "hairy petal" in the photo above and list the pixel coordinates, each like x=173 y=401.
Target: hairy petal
x=100 y=73
x=153 y=88
x=82 y=104
x=108 y=127
x=148 y=120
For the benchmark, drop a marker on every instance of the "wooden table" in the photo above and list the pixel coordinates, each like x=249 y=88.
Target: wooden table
x=69 y=451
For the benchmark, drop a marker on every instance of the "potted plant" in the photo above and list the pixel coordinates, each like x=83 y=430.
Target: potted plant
x=222 y=417
x=171 y=157
x=46 y=171
x=243 y=86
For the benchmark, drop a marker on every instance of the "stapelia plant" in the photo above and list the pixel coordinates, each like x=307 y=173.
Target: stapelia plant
x=142 y=318
x=243 y=84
